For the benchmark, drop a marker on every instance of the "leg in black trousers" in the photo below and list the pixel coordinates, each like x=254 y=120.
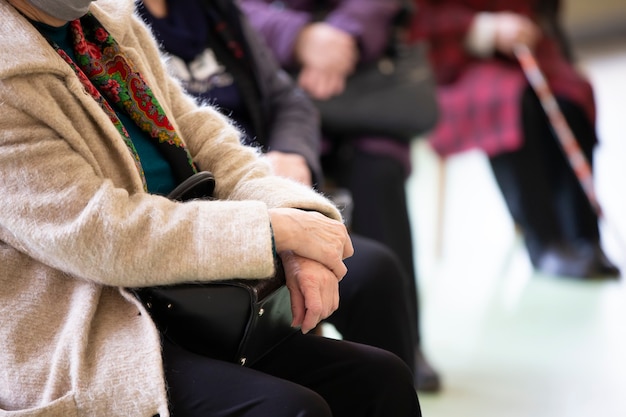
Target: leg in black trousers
x=202 y=387
x=355 y=379
x=377 y=184
x=374 y=307
x=545 y=198
x=305 y=376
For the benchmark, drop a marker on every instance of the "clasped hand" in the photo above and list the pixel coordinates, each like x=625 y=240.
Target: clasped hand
x=513 y=29
x=290 y=165
x=312 y=248
x=327 y=56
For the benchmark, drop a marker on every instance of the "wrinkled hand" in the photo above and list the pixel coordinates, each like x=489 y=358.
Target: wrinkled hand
x=290 y=165
x=513 y=29
x=327 y=56
x=313 y=288
x=320 y=45
x=312 y=235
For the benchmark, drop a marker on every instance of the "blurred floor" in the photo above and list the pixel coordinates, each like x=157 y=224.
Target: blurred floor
x=509 y=342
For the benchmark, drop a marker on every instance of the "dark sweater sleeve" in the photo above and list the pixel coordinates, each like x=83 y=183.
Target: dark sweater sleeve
x=294 y=121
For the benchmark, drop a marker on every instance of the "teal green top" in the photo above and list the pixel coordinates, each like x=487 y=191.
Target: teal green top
x=157 y=170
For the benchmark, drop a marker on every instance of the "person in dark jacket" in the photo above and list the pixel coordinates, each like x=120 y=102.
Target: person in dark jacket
x=486 y=103
x=324 y=42
x=236 y=72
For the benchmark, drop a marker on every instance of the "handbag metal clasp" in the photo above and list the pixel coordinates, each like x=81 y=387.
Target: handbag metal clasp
x=386 y=66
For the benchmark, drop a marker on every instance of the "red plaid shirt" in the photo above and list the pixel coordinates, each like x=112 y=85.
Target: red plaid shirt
x=480 y=98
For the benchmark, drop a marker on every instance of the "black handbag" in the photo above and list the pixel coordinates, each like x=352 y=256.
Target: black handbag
x=235 y=320
x=393 y=96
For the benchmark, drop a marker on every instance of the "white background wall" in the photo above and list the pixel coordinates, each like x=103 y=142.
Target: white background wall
x=592 y=17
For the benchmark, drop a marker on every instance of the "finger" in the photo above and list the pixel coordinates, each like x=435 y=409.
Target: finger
x=297 y=306
x=348 y=248
x=323 y=89
x=329 y=291
x=291 y=268
x=314 y=85
x=331 y=299
x=313 y=312
x=333 y=305
x=306 y=80
x=339 y=270
x=336 y=86
x=324 y=86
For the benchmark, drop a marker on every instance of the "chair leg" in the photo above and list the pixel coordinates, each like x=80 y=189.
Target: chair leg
x=440 y=209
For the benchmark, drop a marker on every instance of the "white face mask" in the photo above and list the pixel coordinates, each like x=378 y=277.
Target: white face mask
x=63 y=9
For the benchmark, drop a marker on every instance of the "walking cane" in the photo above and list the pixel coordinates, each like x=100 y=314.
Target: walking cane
x=575 y=156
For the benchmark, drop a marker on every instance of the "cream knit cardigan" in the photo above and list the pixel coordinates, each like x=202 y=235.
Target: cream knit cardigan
x=76 y=227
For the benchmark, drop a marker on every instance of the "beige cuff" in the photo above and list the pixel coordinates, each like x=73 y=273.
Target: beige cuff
x=481 y=38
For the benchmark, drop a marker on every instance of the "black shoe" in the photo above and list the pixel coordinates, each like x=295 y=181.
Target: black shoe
x=426 y=378
x=583 y=261
x=599 y=264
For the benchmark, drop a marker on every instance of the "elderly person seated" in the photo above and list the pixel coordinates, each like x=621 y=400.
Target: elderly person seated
x=94 y=134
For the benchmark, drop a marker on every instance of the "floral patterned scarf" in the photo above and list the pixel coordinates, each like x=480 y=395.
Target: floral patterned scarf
x=104 y=72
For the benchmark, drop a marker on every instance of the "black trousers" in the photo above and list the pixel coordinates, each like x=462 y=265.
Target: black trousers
x=307 y=376
x=375 y=304
x=541 y=190
x=377 y=184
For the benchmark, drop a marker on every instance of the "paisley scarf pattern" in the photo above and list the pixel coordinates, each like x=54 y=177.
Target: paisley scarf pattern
x=104 y=72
